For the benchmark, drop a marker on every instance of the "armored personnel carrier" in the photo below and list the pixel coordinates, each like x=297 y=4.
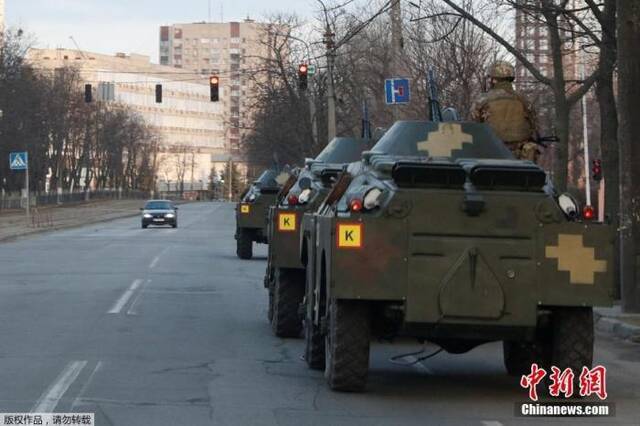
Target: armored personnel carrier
x=252 y=211
x=441 y=235
x=285 y=276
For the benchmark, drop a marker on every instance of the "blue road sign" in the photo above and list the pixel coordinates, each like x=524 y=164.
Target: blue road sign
x=397 y=91
x=18 y=160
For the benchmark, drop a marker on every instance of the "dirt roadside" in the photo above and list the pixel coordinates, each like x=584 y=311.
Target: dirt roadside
x=13 y=224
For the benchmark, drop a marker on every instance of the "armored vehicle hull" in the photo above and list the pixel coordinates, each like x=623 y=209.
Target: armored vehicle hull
x=252 y=212
x=458 y=250
x=285 y=275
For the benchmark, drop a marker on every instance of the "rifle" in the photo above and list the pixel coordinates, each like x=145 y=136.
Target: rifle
x=366 y=124
x=435 y=114
x=545 y=141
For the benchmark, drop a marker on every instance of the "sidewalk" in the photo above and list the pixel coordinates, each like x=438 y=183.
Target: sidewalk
x=13 y=224
x=613 y=321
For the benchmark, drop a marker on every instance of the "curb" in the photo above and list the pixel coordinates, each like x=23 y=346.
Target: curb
x=617 y=328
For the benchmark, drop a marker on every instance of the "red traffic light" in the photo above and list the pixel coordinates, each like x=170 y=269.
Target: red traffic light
x=588 y=213
x=596 y=170
x=303 y=69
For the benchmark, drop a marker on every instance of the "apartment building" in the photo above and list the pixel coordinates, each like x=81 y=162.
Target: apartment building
x=191 y=127
x=229 y=50
x=2 y=15
x=532 y=38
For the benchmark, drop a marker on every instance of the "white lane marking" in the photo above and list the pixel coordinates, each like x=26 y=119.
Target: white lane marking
x=125 y=297
x=78 y=398
x=49 y=399
x=491 y=423
x=418 y=365
x=156 y=259
x=132 y=308
x=154 y=262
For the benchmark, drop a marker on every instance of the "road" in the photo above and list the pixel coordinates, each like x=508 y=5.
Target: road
x=167 y=327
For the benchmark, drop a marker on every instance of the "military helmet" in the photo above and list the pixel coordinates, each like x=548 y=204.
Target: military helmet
x=501 y=70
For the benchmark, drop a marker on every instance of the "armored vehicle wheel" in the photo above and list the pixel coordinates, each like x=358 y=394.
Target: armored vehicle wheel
x=244 y=244
x=347 y=345
x=288 y=292
x=313 y=338
x=518 y=356
x=270 y=311
x=572 y=344
x=566 y=342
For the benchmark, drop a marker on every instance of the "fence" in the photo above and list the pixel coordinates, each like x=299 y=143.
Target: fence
x=9 y=201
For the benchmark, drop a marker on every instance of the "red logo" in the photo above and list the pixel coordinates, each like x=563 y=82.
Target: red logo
x=591 y=381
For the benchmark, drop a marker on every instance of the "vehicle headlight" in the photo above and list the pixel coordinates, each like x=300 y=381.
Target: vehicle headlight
x=304 y=196
x=252 y=197
x=147 y=216
x=568 y=205
x=372 y=198
x=170 y=215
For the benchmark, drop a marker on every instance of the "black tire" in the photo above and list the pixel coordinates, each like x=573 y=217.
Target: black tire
x=314 y=340
x=175 y=225
x=244 y=244
x=347 y=346
x=144 y=226
x=567 y=342
x=518 y=356
x=572 y=343
x=288 y=293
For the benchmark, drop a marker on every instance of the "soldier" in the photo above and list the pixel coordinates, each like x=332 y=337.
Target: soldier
x=508 y=113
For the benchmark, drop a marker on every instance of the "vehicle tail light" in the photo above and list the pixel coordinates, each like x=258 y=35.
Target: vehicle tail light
x=588 y=213
x=293 y=200
x=355 y=205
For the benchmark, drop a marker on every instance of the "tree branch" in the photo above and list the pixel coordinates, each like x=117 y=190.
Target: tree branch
x=515 y=52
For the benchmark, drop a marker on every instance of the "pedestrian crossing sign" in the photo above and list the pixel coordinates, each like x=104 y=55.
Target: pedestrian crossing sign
x=18 y=160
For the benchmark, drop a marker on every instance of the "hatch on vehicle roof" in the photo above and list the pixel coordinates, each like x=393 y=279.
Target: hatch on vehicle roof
x=444 y=139
x=271 y=179
x=342 y=150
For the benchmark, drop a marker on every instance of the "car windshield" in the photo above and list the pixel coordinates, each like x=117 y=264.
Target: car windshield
x=446 y=139
x=158 y=205
x=342 y=150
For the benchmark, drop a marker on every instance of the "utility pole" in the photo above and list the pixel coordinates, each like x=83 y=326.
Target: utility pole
x=397 y=49
x=331 y=97
x=230 y=178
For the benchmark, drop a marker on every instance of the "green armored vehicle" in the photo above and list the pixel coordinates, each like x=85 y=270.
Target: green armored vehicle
x=440 y=234
x=285 y=276
x=252 y=211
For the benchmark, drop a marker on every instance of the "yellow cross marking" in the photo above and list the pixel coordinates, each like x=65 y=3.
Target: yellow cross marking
x=574 y=257
x=442 y=142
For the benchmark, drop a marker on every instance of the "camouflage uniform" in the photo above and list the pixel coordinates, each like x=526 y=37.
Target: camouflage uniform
x=508 y=113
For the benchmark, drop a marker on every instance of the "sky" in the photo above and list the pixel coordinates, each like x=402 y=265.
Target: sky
x=129 y=26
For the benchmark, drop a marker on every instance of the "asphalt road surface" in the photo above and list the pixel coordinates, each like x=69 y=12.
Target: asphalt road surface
x=167 y=327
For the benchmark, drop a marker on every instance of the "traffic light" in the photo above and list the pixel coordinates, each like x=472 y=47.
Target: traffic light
x=158 y=93
x=596 y=170
x=88 y=93
x=303 y=72
x=214 y=84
